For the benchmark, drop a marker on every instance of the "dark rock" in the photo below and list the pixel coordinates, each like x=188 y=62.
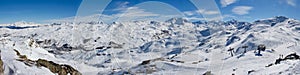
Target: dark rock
x=175 y=51
x=205 y=32
x=251 y=71
x=207 y=73
x=270 y=65
x=115 y=45
x=101 y=47
x=56 y=68
x=86 y=40
x=145 y=47
x=6 y=35
x=232 y=39
x=53 y=67
x=145 y=62
x=292 y=56
x=1 y=66
x=107 y=61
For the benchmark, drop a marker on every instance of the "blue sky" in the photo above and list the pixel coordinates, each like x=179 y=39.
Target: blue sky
x=245 y=10
x=36 y=10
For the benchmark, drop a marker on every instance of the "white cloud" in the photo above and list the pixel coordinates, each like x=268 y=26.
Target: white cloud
x=207 y=19
x=241 y=10
x=137 y=12
x=122 y=6
x=207 y=12
x=189 y=13
x=227 y=2
x=228 y=16
x=210 y=15
x=130 y=14
x=291 y=2
x=201 y=11
x=194 y=18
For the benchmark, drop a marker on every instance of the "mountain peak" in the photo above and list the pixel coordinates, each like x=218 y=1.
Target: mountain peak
x=177 y=21
x=24 y=23
x=274 y=20
x=280 y=18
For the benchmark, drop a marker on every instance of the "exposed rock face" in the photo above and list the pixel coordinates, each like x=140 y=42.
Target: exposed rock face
x=292 y=56
x=1 y=66
x=207 y=73
x=115 y=45
x=61 y=69
x=57 y=68
x=145 y=62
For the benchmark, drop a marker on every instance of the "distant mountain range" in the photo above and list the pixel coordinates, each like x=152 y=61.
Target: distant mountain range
x=175 y=46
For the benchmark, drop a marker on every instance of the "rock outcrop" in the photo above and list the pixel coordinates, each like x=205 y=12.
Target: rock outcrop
x=292 y=56
x=1 y=66
x=207 y=73
x=60 y=69
x=57 y=68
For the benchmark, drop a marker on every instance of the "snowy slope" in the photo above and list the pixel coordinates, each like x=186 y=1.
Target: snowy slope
x=175 y=46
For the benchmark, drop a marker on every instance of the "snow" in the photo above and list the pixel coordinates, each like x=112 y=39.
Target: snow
x=175 y=46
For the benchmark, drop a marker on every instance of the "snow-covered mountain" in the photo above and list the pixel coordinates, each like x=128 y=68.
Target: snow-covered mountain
x=175 y=46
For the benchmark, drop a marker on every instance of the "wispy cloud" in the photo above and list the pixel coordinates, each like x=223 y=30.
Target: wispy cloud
x=128 y=14
x=196 y=15
x=189 y=13
x=229 y=16
x=206 y=19
x=241 y=10
x=135 y=11
x=227 y=2
x=121 y=6
x=291 y=2
x=201 y=11
x=207 y=12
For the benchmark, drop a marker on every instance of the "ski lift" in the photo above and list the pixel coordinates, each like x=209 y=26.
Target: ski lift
x=261 y=47
x=231 y=50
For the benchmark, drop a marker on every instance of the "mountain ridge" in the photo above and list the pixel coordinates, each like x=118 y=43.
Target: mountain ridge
x=151 y=47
